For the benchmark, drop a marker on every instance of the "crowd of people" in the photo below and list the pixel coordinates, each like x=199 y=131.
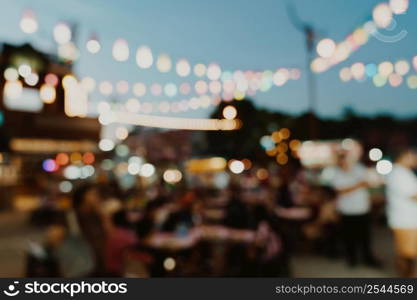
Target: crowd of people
x=253 y=227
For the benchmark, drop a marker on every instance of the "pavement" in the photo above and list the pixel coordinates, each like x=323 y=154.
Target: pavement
x=316 y=266
x=14 y=236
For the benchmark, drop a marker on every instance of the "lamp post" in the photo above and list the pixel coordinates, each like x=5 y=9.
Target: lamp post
x=310 y=36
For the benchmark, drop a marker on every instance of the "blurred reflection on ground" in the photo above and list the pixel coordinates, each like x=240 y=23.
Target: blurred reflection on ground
x=14 y=235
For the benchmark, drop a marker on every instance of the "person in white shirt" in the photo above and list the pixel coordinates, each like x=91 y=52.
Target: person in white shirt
x=402 y=210
x=354 y=205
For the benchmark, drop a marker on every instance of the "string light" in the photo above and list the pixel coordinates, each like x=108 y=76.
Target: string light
x=62 y=33
x=395 y=80
x=236 y=166
x=385 y=68
x=239 y=80
x=345 y=74
x=75 y=98
x=176 y=123
x=358 y=70
x=229 y=112
x=214 y=72
x=93 y=45
x=49 y=165
x=375 y=154
x=121 y=133
x=399 y=6
x=402 y=67
x=62 y=159
x=47 y=93
x=231 y=90
x=144 y=57
x=51 y=79
x=32 y=79
x=170 y=89
x=382 y=15
x=215 y=87
x=24 y=70
x=13 y=89
x=164 y=63
x=200 y=70
x=139 y=89
x=88 y=84
x=381 y=74
x=72 y=172
x=172 y=176
x=147 y=170
x=73 y=89
x=326 y=48
x=122 y=87
x=201 y=87
x=156 y=89
x=133 y=105
x=28 y=22
x=106 y=88
x=183 y=68
x=120 y=50
x=68 y=51
x=11 y=74
x=412 y=82
x=379 y=80
x=384 y=167
x=280 y=77
x=106 y=145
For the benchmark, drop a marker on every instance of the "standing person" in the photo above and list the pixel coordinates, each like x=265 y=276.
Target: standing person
x=120 y=241
x=353 y=204
x=402 y=210
x=93 y=223
x=41 y=258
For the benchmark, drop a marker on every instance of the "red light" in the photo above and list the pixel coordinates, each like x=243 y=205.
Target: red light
x=62 y=159
x=51 y=79
x=88 y=158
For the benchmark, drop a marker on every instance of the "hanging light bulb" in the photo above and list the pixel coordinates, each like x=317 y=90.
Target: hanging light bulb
x=13 y=89
x=93 y=45
x=164 y=63
x=144 y=57
x=120 y=50
x=47 y=93
x=68 y=51
x=382 y=15
x=214 y=72
x=183 y=68
x=326 y=48
x=399 y=7
x=28 y=22
x=62 y=33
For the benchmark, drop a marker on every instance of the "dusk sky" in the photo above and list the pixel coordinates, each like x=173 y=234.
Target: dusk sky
x=238 y=34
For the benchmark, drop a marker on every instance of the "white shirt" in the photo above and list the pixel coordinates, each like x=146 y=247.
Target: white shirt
x=402 y=208
x=355 y=202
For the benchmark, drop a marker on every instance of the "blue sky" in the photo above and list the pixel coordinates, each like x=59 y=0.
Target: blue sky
x=238 y=34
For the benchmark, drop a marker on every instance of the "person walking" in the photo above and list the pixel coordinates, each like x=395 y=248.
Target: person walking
x=354 y=206
x=402 y=210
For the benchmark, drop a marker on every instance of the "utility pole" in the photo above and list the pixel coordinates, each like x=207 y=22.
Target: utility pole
x=310 y=36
